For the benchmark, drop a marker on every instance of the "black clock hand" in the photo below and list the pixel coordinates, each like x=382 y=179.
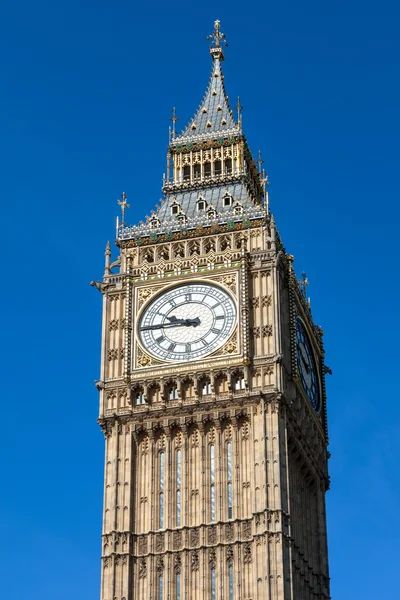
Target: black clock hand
x=175 y=323
x=306 y=366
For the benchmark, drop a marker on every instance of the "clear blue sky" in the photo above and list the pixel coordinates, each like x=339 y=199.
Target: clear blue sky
x=86 y=93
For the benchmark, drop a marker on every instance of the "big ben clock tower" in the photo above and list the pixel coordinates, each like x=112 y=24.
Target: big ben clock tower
x=212 y=396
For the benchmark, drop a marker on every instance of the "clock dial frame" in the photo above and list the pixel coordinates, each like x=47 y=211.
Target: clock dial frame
x=307 y=366
x=163 y=328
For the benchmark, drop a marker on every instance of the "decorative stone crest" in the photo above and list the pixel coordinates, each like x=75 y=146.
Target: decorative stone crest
x=212 y=535
x=160 y=542
x=195 y=560
x=177 y=540
x=194 y=537
x=247 y=554
x=142 y=568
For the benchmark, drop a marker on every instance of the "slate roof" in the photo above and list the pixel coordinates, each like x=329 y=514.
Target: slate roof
x=214 y=114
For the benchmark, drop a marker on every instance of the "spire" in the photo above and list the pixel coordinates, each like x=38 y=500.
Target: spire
x=214 y=116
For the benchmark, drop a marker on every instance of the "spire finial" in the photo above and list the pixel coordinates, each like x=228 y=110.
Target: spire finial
x=239 y=111
x=124 y=205
x=259 y=161
x=304 y=284
x=217 y=36
x=174 y=119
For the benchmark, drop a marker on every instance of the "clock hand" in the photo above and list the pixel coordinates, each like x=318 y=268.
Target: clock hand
x=306 y=366
x=175 y=323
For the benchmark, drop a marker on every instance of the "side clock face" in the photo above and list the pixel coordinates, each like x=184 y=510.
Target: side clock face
x=306 y=365
x=187 y=322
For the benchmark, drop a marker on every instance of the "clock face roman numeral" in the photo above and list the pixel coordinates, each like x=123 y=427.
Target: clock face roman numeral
x=187 y=322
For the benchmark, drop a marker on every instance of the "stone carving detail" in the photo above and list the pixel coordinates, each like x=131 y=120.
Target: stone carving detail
x=106 y=426
x=267 y=330
x=212 y=557
x=195 y=560
x=160 y=564
x=143 y=294
x=177 y=540
x=229 y=534
x=195 y=438
x=229 y=554
x=247 y=554
x=194 y=537
x=229 y=348
x=267 y=300
x=211 y=435
x=178 y=439
x=145 y=444
x=247 y=530
x=212 y=535
x=121 y=353
x=142 y=568
x=159 y=542
x=113 y=354
x=144 y=360
x=245 y=430
x=256 y=332
x=228 y=433
x=142 y=544
x=268 y=370
x=228 y=280
x=256 y=302
x=106 y=561
x=113 y=325
x=177 y=563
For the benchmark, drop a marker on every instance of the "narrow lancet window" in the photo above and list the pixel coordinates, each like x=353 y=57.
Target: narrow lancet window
x=178 y=586
x=161 y=491
x=213 y=584
x=160 y=587
x=229 y=478
x=178 y=488
x=212 y=482
x=230 y=582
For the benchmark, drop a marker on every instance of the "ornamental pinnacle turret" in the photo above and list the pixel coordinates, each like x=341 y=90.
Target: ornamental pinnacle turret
x=212 y=391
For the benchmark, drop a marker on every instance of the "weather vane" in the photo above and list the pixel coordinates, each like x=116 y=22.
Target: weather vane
x=124 y=205
x=216 y=36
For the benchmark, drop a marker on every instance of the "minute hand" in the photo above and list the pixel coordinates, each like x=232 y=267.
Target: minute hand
x=177 y=323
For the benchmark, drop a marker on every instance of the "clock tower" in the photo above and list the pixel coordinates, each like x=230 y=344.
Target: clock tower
x=212 y=395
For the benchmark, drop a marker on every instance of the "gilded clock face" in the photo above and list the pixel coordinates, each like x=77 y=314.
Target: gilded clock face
x=187 y=322
x=306 y=365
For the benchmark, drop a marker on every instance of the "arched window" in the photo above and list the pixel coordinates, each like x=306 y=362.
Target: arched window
x=178 y=586
x=206 y=387
x=139 y=397
x=173 y=392
x=239 y=383
x=160 y=587
x=228 y=166
x=212 y=482
x=207 y=170
x=197 y=171
x=186 y=173
x=229 y=477
x=178 y=488
x=217 y=168
x=161 y=489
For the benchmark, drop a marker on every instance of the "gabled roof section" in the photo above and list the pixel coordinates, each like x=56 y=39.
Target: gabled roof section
x=214 y=116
